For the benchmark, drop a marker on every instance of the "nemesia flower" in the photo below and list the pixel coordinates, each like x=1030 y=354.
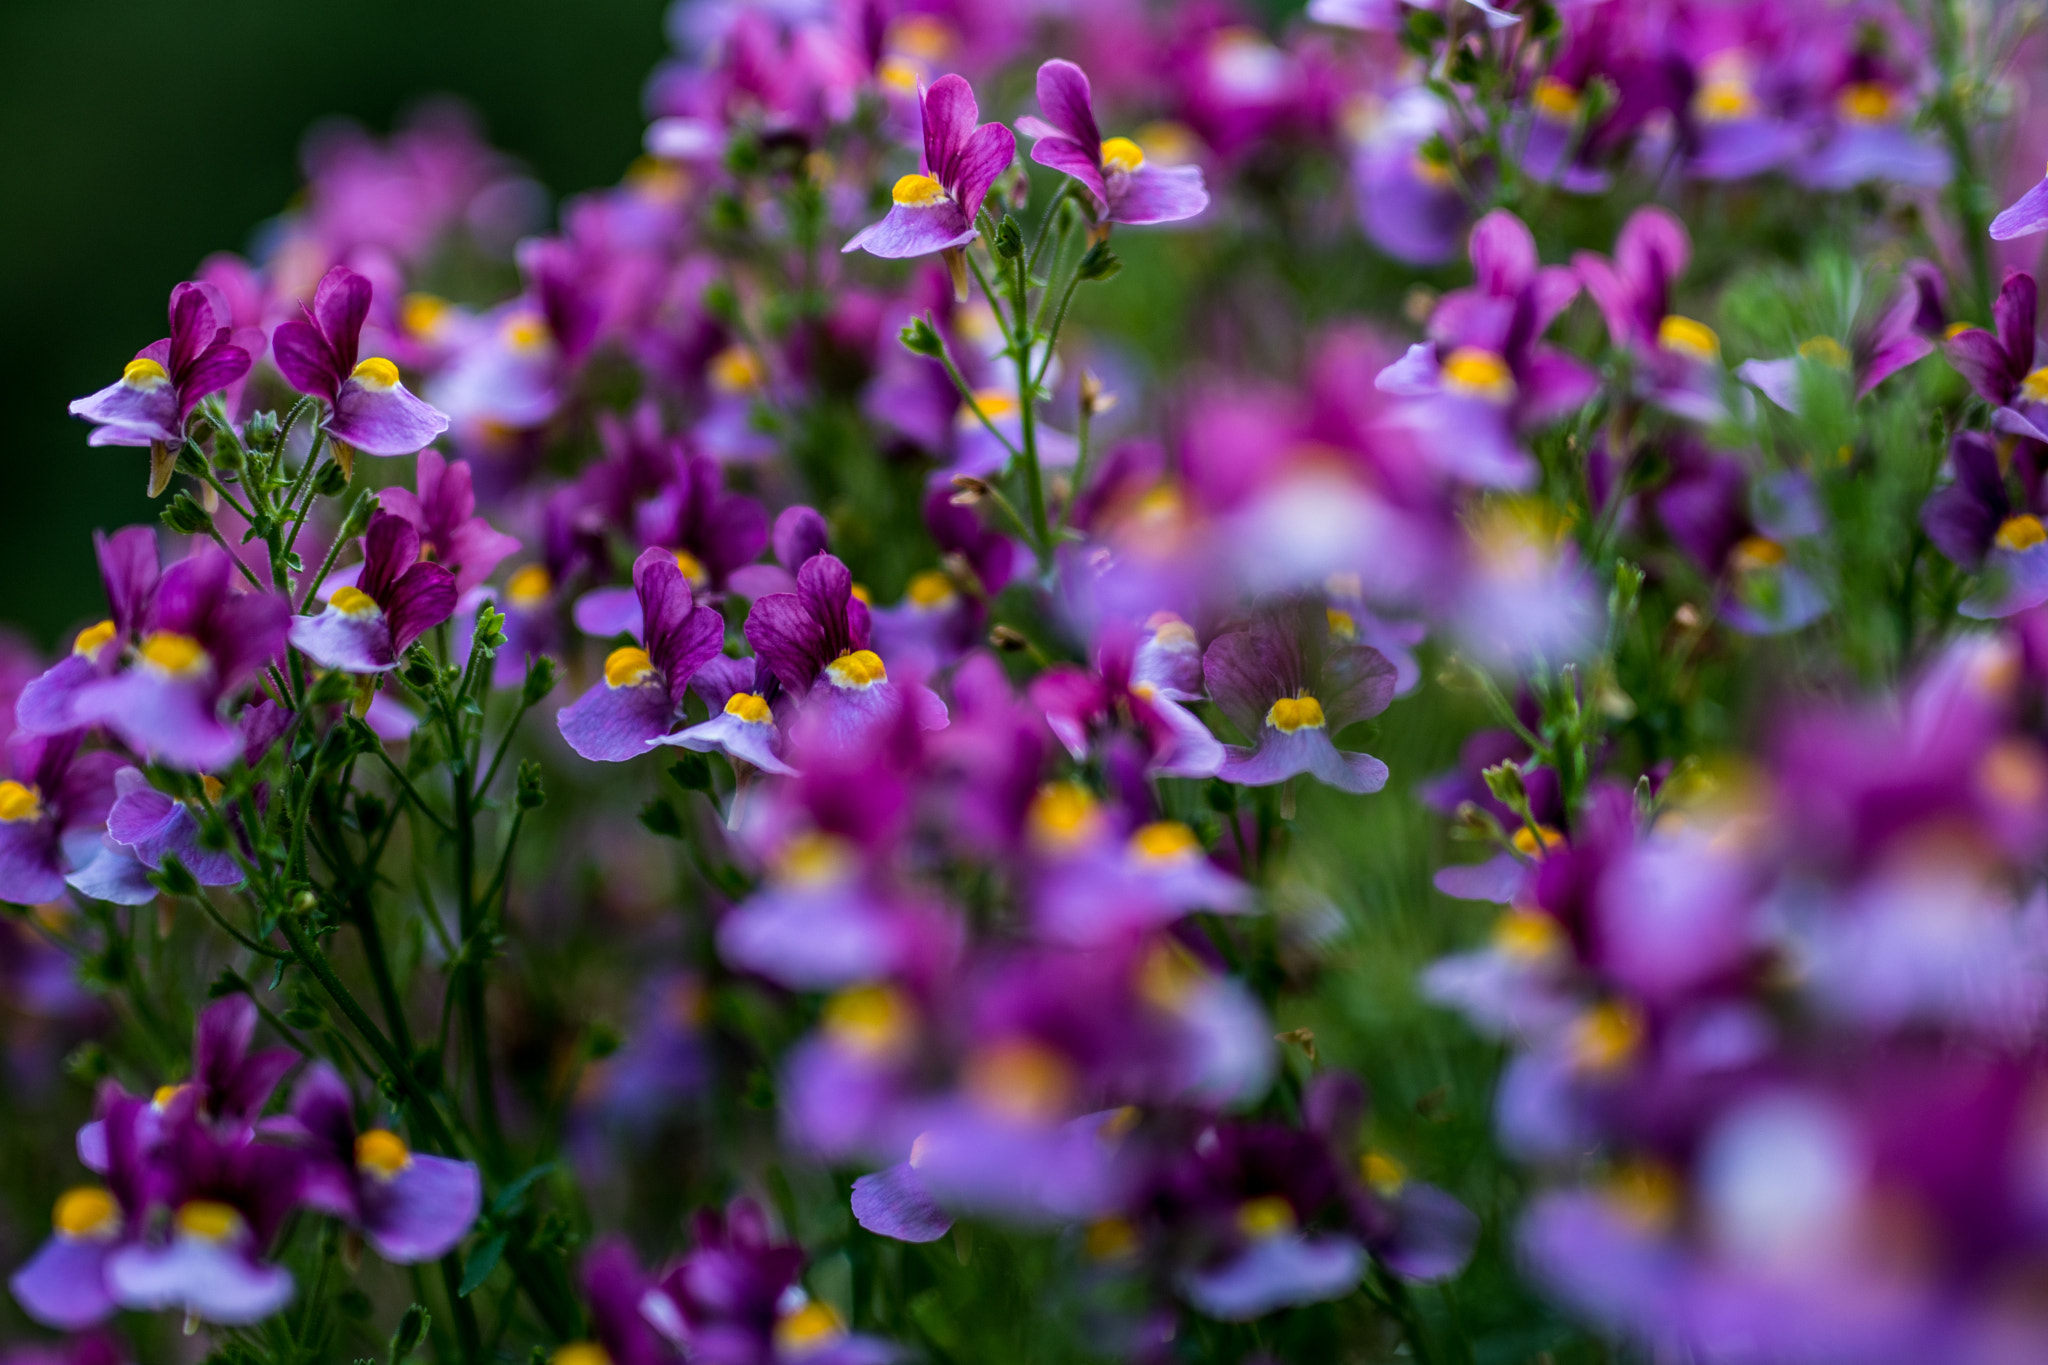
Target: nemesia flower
x=1390 y=14
x=934 y=209
x=1978 y=525
x=743 y=726
x=128 y=572
x=2024 y=217
x=1096 y=881
x=711 y=532
x=201 y=639
x=369 y=409
x=444 y=513
x=1633 y=290
x=644 y=685
x=1291 y=688
x=2000 y=365
x=397 y=597
x=410 y=1206
x=1080 y=705
x=51 y=813
x=1124 y=187
x=1871 y=139
x=152 y=826
x=64 y=1285
x=1908 y=329
x=621 y=1330
x=1408 y=204
x=158 y=389
x=1742 y=532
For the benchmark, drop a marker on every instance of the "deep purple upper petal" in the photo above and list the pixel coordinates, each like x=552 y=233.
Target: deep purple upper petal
x=341 y=301
x=423 y=598
x=305 y=359
x=1503 y=253
x=1070 y=158
x=1068 y=105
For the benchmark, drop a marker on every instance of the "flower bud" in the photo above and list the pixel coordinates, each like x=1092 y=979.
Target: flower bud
x=1100 y=263
x=1504 y=780
x=968 y=490
x=185 y=516
x=359 y=514
x=261 y=431
x=1008 y=640
x=531 y=795
x=920 y=338
x=412 y=1330
x=541 y=673
x=1009 y=241
x=329 y=482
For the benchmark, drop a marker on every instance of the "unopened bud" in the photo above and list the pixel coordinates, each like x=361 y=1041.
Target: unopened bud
x=1009 y=241
x=968 y=490
x=185 y=516
x=1100 y=263
x=359 y=514
x=541 y=673
x=1095 y=399
x=532 y=793
x=921 y=338
x=1008 y=640
x=1504 y=780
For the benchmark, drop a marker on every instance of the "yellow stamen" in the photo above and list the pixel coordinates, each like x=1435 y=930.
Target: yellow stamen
x=897 y=74
x=750 y=707
x=918 y=192
x=1121 y=154
x=1866 y=102
x=1724 y=101
x=930 y=590
x=423 y=314
x=1754 y=553
x=1295 y=713
x=1020 y=1080
x=1170 y=631
x=693 y=569
x=86 y=1211
x=89 y=640
x=1342 y=624
x=1605 y=1037
x=921 y=35
x=169 y=652
x=376 y=373
x=161 y=1098
x=994 y=404
x=1535 y=843
x=2021 y=533
x=736 y=369
x=1110 y=1239
x=212 y=786
x=1164 y=841
x=1689 y=337
x=1168 y=976
x=1474 y=373
x=1526 y=936
x=580 y=1353
x=814 y=859
x=874 y=1021
x=1432 y=172
x=382 y=1153
x=352 y=601
x=1064 y=815
x=143 y=373
x=18 y=802
x=2034 y=388
x=627 y=666
x=529 y=586
x=1556 y=101
x=1645 y=1193
x=526 y=332
x=209 y=1220
x=1383 y=1172
x=860 y=669
x=1956 y=329
x=1826 y=350
x=1266 y=1217
x=809 y=1328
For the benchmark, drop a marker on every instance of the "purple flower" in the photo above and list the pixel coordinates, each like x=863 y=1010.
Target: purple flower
x=230 y=1083
x=2000 y=366
x=152 y=826
x=128 y=571
x=368 y=408
x=2024 y=217
x=396 y=598
x=64 y=1285
x=202 y=638
x=1081 y=706
x=934 y=209
x=1408 y=204
x=50 y=814
x=1633 y=290
x=644 y=687
x=148 y=404
x=1291 y=688
x=1871 y=139
x=1114 y=172
x=711 y=531
x=815 y=642
x=444 y=514
x=1977 y=524
x=410 y=1206
x=622 y=1329
x=1902 y=334
x=743 y=725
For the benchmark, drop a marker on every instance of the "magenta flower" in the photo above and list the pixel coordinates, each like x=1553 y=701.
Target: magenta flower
x=1978 y=524
x=711 y=531
x=444 y=513
x=743 y=725
x=153 y=826
x=1878 y=349
x=2000 y=364
x=397 y=598
x=1125 y=187
x=64 y=1285
x=128 y=571
x=410 y=1206
x=644 y=688
x=1633 y=290
x=202 y=638
x=2024 y=217
x=148 y=404
x=1292 y=688
x=934 y=209
x=1081 y=707
x=50 y=814
x=368 y=408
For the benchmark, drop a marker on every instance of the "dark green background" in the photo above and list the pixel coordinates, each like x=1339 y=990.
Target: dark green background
x=136 y=136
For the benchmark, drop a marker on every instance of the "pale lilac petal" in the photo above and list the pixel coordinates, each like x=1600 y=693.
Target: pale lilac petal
x=2013 y=583
x=423 y=1211
x=605 y=612
x=894 y=1203
x=735 y=738
x=614 y=724
x=31 y=861
x=808 y=940
x=1277 y=1272
x=214 y=1281
x=64 y=1284
x=350 y=641
x=1777 y=380
x=1434 y=1235
x=2027 y=215
x=912 y=231
x=381 y=421
x=1498 y=880
x=140 y=413
x=48 y=705
x=173 y=720
x=152 y=825
x=113 y=874
x=1157 y=194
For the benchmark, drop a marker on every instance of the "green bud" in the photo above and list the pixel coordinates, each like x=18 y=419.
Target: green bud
x=1504 y=780
x=88 y=1064
x=541 y=675
x=329 y=482
x=531 y=795
x=920 y=338
x=1100 y=263
x=412 y=1330
x=359 y=513
x=420 y=671
x=261 y=431
x=228 y=456
x=190 y=461
x=1009 y=242
x=185 y=516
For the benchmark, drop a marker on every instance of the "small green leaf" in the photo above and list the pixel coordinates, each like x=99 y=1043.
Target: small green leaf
x=510 y=1197
x=480 y=1264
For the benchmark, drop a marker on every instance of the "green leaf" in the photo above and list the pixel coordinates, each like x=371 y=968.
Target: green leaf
x=480 y=1264
x=510 y=1197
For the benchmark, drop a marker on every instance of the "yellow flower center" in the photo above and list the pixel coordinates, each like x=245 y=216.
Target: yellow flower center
x=1605 y=1037
x=529 y=586
x=1535 y=843
x=1826 y=350
x=172 y=653
x=212 y=786
x=1342 y=625
x=1168 y=975
x=736 y=369
x=2021 y=533
x=1064 y=815
x=580 y=1353
x=930 y=590
x=994 y=404
x=809 y=1328
x=1470 y=372
x=1121 y=154
x=1866 y=102
x=874 y=1021
x=86 y=1211
x=1110 y=1239
x=627 y=666
x=1557 y=101
x=1382 y=1172
x=1432 y=172
x=526 y=332
x=18 y=803
x=1689 y=338
x=918 y=192
x=814 y=859
x=1755 y=553
x=1956 y=329
x=161 y=1099
x=1526 y=936
x=1020 y=1080
x=1295 y=713
x=922 y=35
x=1265 y=1218
x=693 y=569
x=423 y=314
x=89 y=640
x=1170 y=631
x=353 y=601
x=376 y=373
x=382 y=1153
x=143 y=373
x=2034 y=388
x=209 y=1220
x=1164 y=841
x=1645 y=1193
x=2013 y=772
x=750 y=707
x=1724 y=101
x=897 y=74
x=860 y=669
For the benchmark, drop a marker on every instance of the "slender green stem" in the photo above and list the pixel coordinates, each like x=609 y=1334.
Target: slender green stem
x=326 y=567
x=411 y=792
x=967 y=393
x=213 y=913
x=1052 y=213
x=236 y=559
